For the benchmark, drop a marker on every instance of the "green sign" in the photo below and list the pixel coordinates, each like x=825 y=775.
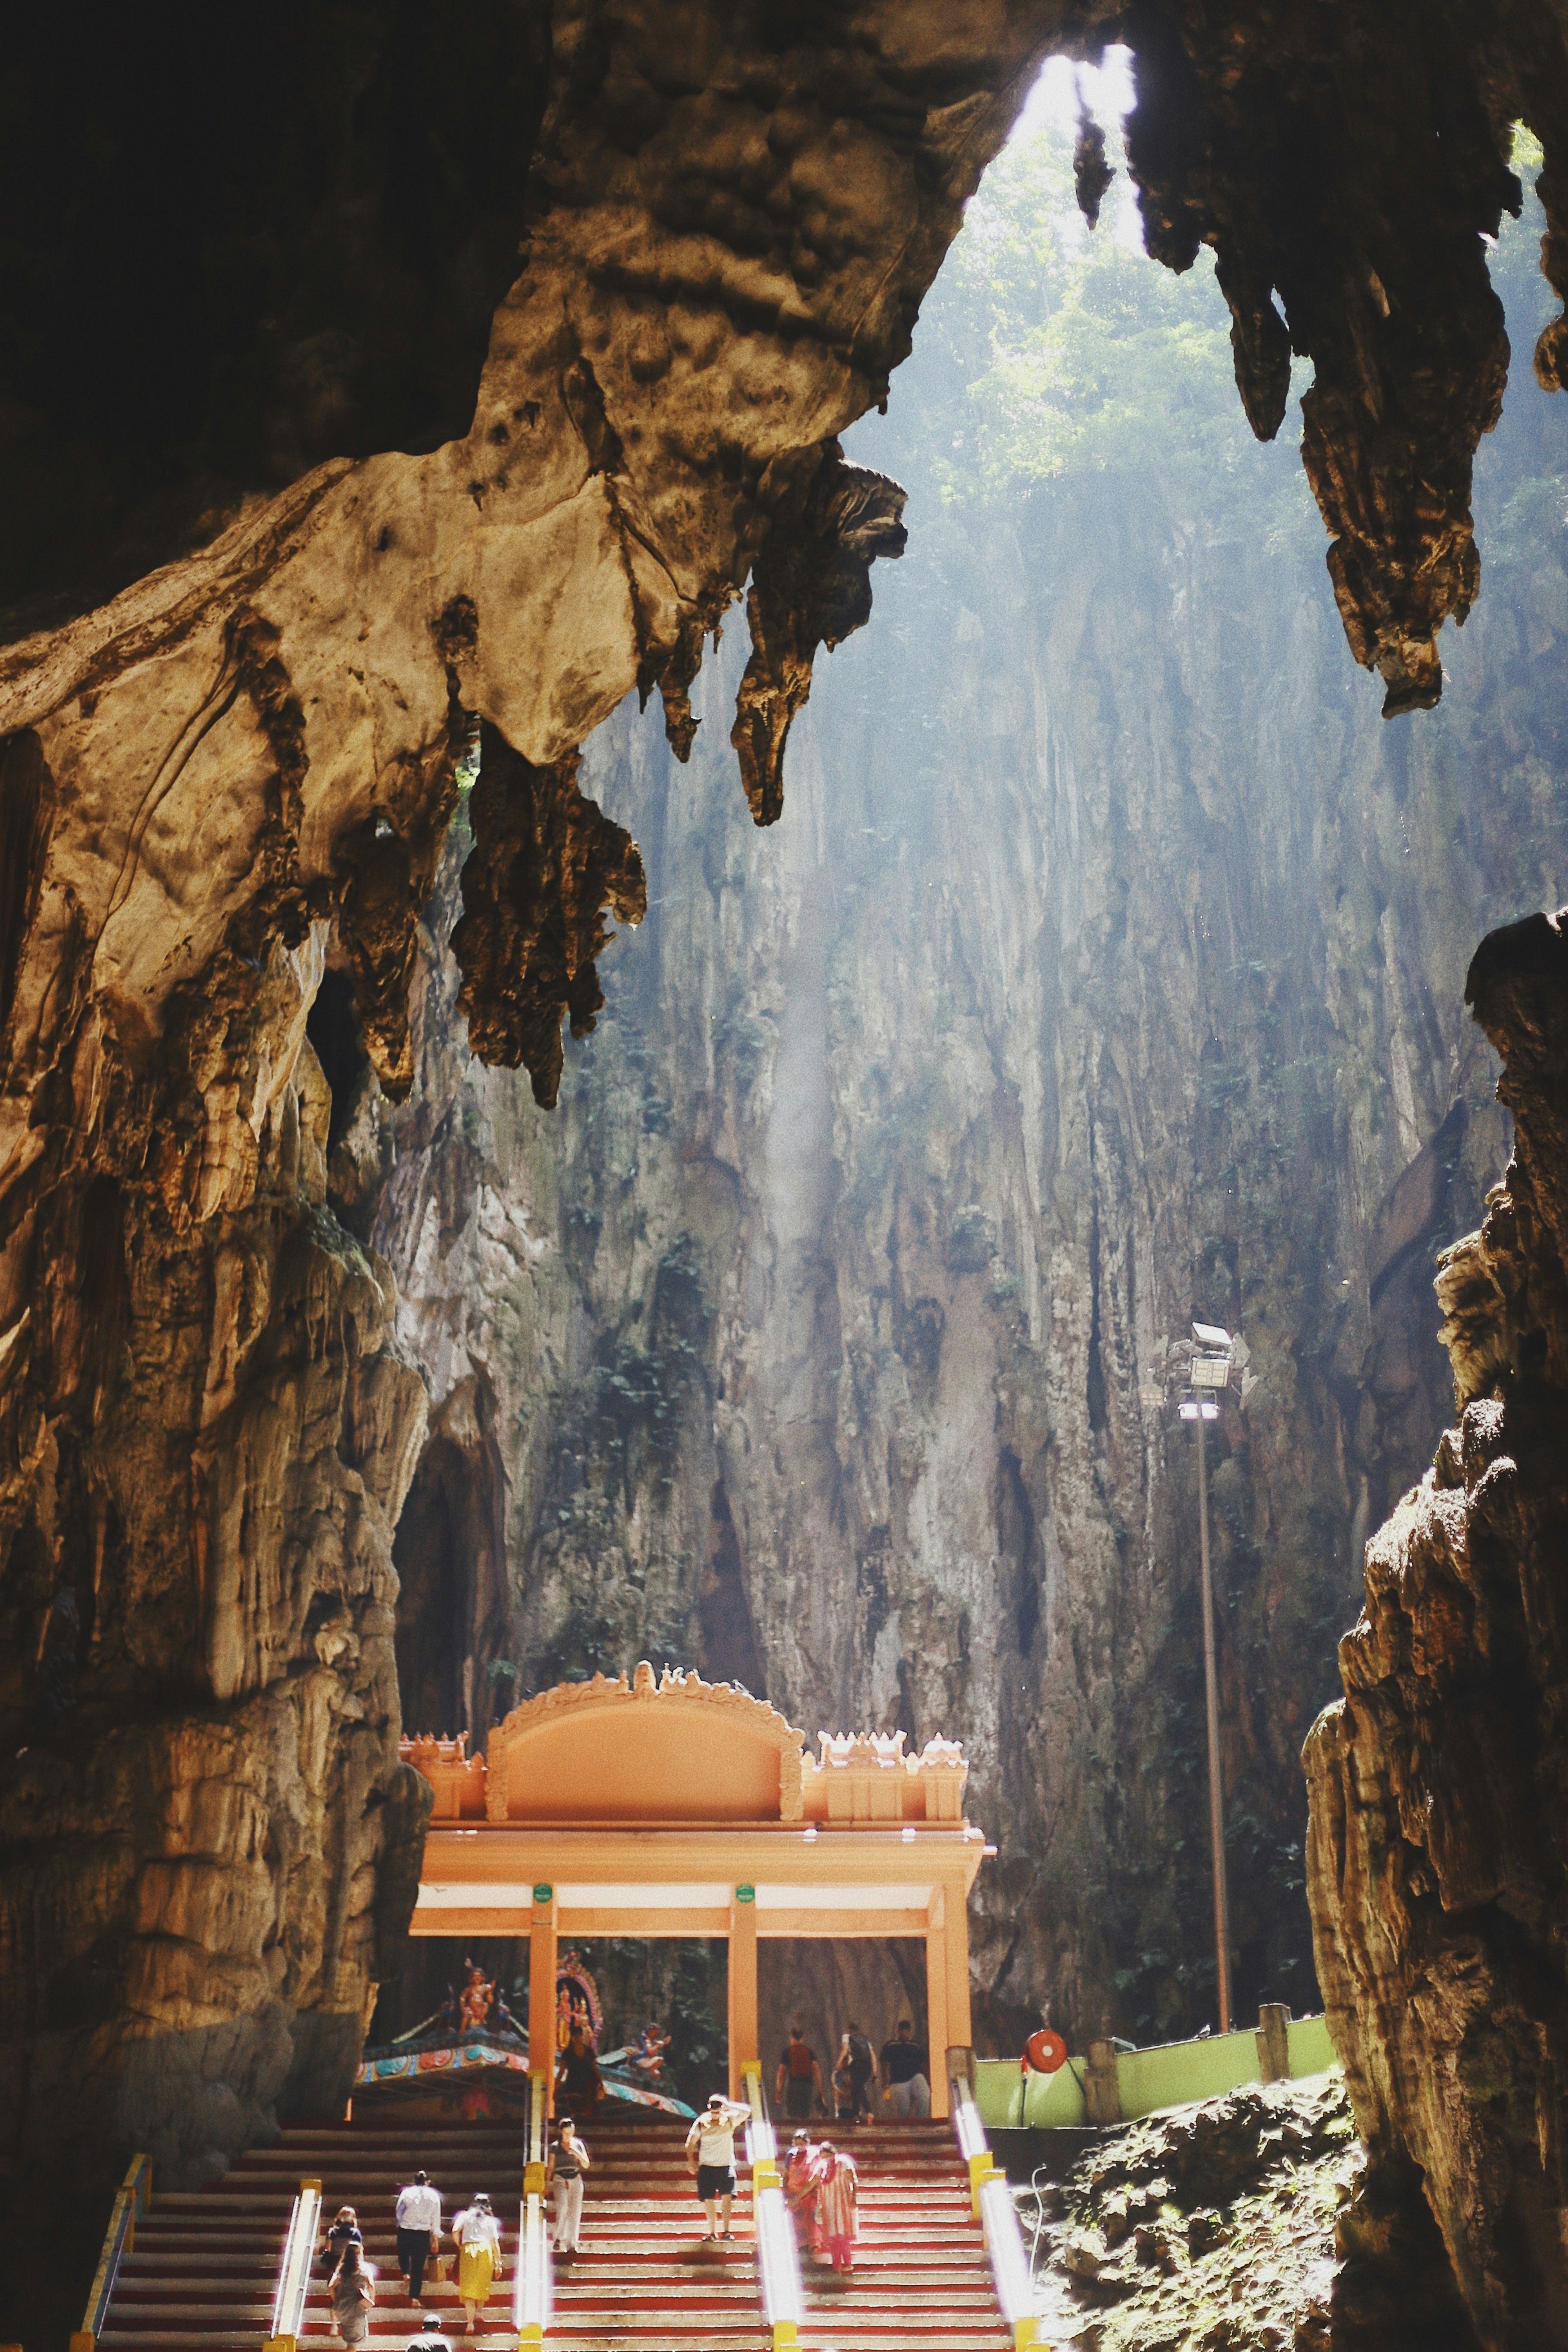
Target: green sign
x=543 y=1894
x=745 y=1894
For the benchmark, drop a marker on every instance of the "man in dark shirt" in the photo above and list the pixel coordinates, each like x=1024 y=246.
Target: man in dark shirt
x=905 y=2074
x=862 y=2066
x=799 y=2084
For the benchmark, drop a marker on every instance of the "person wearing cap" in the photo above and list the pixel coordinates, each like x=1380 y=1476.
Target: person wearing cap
x=477 y=2233
x=710 y=2152
x=429 y=2339
x=569 y=2160
x=418 y=2230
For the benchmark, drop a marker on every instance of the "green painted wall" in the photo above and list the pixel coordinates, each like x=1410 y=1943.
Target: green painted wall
x=1172 y=2074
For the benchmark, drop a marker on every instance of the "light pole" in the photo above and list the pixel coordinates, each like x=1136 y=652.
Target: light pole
x=1213 y=1354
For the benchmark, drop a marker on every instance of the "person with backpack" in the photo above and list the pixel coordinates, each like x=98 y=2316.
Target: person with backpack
x=799 y=2082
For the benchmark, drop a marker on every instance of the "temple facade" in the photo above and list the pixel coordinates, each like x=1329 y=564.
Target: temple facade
x=669 y=1806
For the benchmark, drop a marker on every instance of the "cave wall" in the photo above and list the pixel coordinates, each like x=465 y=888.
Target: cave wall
x=1436 y=1867
x=210 y=1844
x=834 y=1323
x=380 y=528
x=249 y=383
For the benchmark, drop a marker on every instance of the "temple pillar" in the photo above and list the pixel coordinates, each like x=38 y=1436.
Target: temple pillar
x=542 y=1991
x=742 y=1985
x=955 y=1940
x=937 y=2034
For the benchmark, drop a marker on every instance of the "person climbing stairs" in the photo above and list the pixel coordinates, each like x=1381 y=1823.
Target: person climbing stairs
x=922 y=2279
x=203 y=2268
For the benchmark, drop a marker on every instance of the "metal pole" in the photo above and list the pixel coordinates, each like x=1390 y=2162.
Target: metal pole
x=1217 y=1793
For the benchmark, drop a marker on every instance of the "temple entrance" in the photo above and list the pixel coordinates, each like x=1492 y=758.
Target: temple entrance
x=681 y=1808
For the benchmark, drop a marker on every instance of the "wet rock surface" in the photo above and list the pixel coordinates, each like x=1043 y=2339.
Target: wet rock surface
x=1436 y=1869
x=1241 y=2225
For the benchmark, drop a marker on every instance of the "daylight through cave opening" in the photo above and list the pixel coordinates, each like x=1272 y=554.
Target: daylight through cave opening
x=1073 y=953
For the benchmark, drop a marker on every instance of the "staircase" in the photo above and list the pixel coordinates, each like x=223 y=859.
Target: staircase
x=204 y=2269
x=922 y=2280
x=644 y=2278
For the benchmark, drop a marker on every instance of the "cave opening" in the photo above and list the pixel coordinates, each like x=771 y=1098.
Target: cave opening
x=332 y=1025
x=1104 y=959
x=453 y=1674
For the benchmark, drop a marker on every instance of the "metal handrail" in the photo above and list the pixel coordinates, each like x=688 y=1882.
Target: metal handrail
x=130 y=2201
x=992 y=2200
x=778 y=2258
x=294 y=2270
x=531 y=2294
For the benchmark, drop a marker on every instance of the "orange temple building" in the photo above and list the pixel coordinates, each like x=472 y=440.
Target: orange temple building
x=668 y=1806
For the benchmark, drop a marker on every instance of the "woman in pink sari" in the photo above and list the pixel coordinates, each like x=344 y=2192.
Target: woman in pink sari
x=836 y=2218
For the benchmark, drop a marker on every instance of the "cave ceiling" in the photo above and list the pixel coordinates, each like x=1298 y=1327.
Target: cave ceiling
x=267 y=556
x=376 y=380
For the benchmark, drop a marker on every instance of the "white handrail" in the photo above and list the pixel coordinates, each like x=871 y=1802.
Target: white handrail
x=131 y=2199
x=778 y=2258
x=531 y=2295
x=294 y=2270
x=992 y=2200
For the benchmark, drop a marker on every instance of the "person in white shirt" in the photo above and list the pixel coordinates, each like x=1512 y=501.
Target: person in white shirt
x=569 y=2160
x=418 y=2231
x=477 y=2233
x=710 y=2152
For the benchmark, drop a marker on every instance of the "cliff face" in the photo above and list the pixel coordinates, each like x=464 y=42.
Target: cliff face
x=209 y=1840
x=473 y=369
x=239 y=772
x=1437 y=1783
x=1104 y=969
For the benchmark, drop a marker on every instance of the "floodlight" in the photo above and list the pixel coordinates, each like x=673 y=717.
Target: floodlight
x=1210 y=1372
x=1189 y=1408
x=1210 y=1335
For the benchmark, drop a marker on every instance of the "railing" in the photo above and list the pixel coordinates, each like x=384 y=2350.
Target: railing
x=992 y=2200
x=294 y=2270
x=778 y=2262
x=130 y=2201
x=531 y=2295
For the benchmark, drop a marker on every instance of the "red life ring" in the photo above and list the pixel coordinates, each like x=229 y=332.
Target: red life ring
x=1046 y=2050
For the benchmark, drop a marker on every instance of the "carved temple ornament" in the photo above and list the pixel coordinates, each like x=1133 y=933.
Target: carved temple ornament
x=675 y=1749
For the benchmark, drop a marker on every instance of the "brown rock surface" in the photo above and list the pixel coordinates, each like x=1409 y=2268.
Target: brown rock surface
x=732 y=219
x=1436 y=1865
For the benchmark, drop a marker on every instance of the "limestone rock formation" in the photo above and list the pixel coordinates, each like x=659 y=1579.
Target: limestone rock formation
x=377 y=377
x=393 y=473
x=1437 y=1875
x=824 y=1337
x=208 y=1432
